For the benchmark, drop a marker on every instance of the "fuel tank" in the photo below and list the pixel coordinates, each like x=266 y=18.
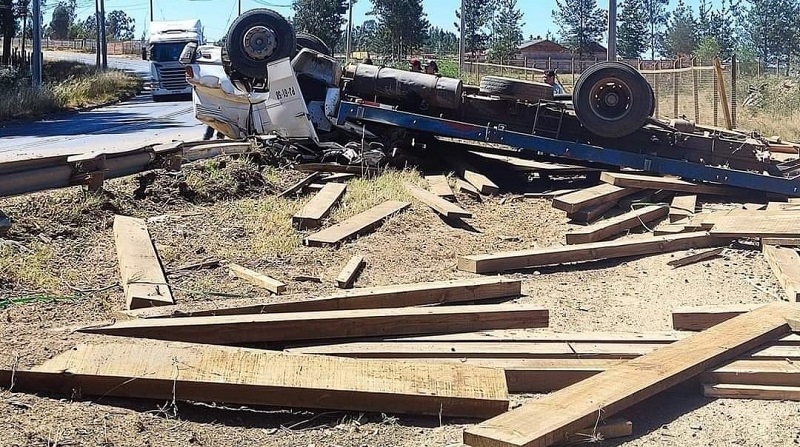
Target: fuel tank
x=370 y=80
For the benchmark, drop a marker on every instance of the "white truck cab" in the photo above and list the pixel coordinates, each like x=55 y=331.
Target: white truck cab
x=165 y=43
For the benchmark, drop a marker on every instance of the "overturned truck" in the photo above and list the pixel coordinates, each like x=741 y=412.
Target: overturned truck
x=285 y=90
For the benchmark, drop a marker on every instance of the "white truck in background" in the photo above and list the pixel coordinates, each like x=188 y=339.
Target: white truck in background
x=163 y=48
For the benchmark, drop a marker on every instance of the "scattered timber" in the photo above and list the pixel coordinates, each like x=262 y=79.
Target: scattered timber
x=616 y=225
x=515 y=260
x=440 y=186
x=682 y=206
x=350 y=271
x=700 y=318
x=544 y=421
x=467 y=172
x=665 y=183
x=436 y=203
x=290 y=327
x=758 y=392
x=356 y=225
x=143 y=280
x=298 y=187
x=758 y=224
x=319 y=207
x=699 y=257
x=585 y=198
x=398 y=295
x=592 y=213
x=218 y=374
x=467 y=188
x=785 y=264
x=257 y=279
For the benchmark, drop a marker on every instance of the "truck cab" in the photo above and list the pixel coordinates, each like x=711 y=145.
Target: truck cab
x=165 y=43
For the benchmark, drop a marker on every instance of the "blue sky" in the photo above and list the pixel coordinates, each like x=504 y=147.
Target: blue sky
x=216 y=15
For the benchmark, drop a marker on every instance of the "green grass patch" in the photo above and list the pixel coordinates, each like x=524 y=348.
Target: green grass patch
x=67 y=86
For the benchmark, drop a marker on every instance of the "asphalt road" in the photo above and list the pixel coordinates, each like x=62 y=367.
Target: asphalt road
x=127 y=125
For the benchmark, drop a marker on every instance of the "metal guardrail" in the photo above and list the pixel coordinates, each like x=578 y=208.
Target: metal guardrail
x=92 y=168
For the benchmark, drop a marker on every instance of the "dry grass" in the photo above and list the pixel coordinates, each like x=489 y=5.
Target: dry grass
x=67 y=86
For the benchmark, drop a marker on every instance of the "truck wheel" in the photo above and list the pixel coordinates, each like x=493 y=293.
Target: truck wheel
x=312 y=42
x=516 y=89
x=612 y=99
x=257 y=38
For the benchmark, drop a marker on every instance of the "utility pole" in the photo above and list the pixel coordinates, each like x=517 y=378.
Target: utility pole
x=240 y=8
x=151 y=9
x=103 y=40
x=36 y=62
x=349 y=49
x=97 y=46
x=612 y=30
x=461 y=46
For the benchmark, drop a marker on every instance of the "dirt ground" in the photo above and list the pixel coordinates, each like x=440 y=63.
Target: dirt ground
x=58 y=271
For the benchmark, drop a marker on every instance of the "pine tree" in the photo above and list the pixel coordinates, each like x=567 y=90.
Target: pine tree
x=631 y=35
x=771 y=27
x=680 y=37
x=655 y=12
x=719 y=24
x=581 y=23
x=321 y=18
x=402 y=25
x=476 y=18
x=507 y=30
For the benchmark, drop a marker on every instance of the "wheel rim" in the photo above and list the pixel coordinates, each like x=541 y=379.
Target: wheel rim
x=611 y=99
x=259 y=42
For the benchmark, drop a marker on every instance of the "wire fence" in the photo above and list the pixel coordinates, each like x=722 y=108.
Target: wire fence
x=79 y=46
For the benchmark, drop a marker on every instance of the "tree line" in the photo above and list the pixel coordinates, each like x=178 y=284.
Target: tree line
x=16 y=20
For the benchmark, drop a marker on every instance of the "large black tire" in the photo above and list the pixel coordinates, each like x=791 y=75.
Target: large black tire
x=256 y=38
x=516 y=89
x=612 y=100
x=312 y=42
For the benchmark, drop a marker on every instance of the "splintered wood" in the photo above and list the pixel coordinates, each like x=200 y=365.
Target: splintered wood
x=356 y=225
x=143 y=279
x=166 y=371
x=547 y=420
x=285 y=327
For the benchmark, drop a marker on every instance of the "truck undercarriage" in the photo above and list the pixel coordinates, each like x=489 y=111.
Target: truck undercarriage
x=265 y=86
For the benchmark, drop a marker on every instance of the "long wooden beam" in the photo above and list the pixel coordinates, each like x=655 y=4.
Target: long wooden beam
x=143 y=279
x=758 y=392
x=545 y=421
x=397 y=295
x=515 y=260
x=588 y=197
x=319 y=206
x=436 y=203
x=785 y=264
x=682 y=206
x=356 y=225
x=700 y=318
x=616 y=225
x=625 y=180
x=167 y=371
x=287 y=327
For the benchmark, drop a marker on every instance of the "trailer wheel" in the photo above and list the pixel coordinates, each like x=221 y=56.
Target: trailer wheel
x=612 y=99
x=257 y=38
x=312 y=42
x=516 y=89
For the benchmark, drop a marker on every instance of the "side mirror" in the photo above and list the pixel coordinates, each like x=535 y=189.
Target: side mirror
x=144 y=54
x=188 y=54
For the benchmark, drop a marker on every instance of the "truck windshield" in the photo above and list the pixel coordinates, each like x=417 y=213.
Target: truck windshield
x=166 y=52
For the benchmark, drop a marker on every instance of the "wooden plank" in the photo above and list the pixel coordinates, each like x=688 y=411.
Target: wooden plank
x=319 y=207
x=524 y=164
x=257 y=279
x=778 y=372
x=473 y=176
x=398 y=295
x=341 y=177
x=757 y=392
x=592 y=213
x=438 y=204
x=699 y=318
x=702 y=256
x=350 y=271
x=440 y=186
x=616 y=225
x=467 y=188
x=785 y=264
x=297 y=187
x=625 y=180
x=142 y=277
x=219 y=374
x=682 y=206
x=285 y=327
x=668 y=229
x=760 y=224
x=511 y=336
x=356 y=225
x=544 y=421
x=515 y=260
x=781 y=241
x=585 y=198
